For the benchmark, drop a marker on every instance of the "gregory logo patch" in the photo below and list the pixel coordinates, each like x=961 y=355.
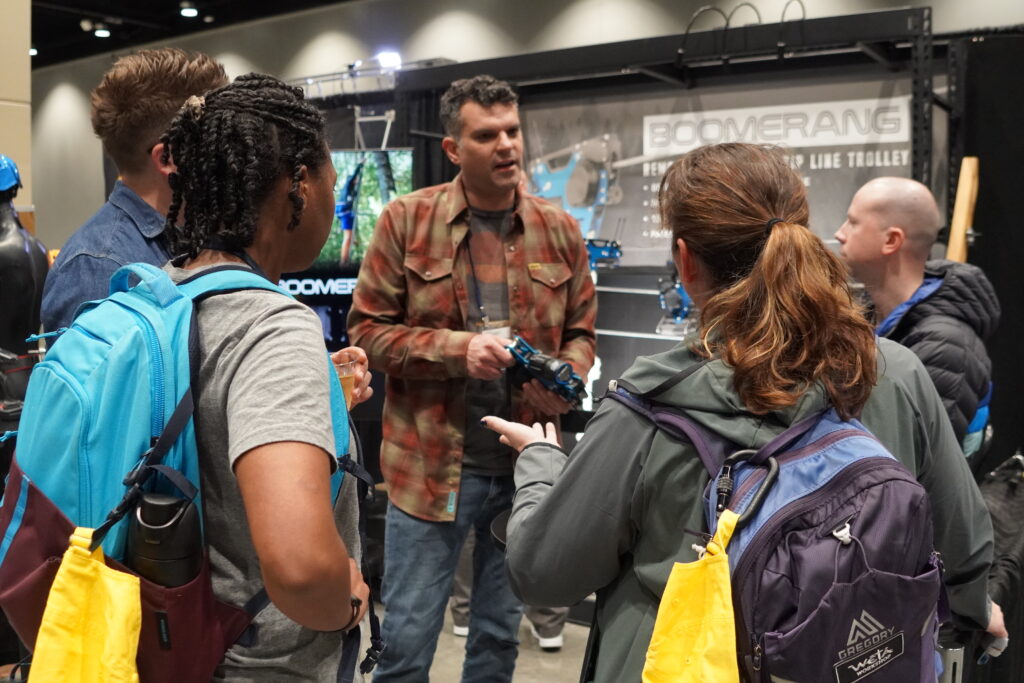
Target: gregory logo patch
x=870 y=646
x=862 y=628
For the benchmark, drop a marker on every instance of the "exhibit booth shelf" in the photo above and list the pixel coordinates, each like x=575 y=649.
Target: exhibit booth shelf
x=853 y=97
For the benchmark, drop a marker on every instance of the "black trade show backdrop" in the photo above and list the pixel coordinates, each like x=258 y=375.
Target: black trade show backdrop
x=993 y=94
x=994 y=99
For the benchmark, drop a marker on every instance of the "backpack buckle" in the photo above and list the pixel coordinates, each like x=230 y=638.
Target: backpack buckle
x=373 y=654
x=137 y=474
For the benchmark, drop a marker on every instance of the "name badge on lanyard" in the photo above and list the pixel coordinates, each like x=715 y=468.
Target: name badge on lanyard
x=505 y=331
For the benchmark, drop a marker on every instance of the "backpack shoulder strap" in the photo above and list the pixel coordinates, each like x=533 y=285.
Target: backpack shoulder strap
x=711 y=448
x=790 y=436
x=667 y=384
x=233 y=278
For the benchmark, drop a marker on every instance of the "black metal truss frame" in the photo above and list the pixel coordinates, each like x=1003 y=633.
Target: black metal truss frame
x=895 y=40
x=954 y=104
x=922 y=97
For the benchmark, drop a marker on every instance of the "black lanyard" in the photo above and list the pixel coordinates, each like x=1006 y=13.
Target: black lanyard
x=484 y=318
x=217 y=244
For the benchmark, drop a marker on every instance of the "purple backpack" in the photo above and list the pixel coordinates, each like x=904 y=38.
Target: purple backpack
x=833 y=573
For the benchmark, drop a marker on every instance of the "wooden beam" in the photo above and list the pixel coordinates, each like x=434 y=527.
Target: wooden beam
x=963 y=210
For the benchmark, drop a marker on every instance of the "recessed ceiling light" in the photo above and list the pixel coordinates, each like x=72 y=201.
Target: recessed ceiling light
x=208 y=19
x=32 y=52
x=188 y=9
x=100 y=30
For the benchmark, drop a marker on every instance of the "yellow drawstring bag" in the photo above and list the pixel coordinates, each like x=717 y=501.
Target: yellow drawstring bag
x=90 y=628
x=694 y=639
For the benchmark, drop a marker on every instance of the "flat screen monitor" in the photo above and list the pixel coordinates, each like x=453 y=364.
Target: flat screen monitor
x=367 y=180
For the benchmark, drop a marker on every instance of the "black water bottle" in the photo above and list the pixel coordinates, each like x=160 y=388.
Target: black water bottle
x=165 y=542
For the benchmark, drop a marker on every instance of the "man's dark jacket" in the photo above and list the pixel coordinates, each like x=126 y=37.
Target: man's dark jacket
x=947 y=330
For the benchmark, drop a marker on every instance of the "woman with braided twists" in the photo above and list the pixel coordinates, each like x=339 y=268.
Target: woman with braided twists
x=253 y=187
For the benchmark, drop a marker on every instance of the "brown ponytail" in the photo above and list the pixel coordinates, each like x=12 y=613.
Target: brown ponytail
x=781 y=314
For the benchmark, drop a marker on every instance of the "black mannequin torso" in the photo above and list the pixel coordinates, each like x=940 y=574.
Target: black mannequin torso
x=23 y=267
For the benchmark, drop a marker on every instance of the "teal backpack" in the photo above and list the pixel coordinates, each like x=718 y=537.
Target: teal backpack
x=108 y=416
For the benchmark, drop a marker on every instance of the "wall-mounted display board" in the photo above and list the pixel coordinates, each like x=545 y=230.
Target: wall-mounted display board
x=601 y=157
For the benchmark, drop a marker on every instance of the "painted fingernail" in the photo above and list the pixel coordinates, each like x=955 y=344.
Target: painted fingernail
x=483 y=420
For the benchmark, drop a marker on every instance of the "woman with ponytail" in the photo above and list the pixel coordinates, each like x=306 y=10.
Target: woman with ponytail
x=780 y=339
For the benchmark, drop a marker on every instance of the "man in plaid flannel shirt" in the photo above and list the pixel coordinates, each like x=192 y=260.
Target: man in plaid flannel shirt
x=453 y=272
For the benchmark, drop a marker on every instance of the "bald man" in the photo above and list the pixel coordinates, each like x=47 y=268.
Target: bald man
x=941 y=310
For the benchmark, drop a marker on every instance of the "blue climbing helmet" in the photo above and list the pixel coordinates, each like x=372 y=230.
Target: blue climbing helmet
x=9 y=176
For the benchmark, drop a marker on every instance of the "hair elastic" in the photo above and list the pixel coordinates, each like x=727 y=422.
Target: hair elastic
x=771 y=223
x=194 y=105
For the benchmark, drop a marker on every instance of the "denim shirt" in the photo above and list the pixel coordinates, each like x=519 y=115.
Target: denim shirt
x=125 y=230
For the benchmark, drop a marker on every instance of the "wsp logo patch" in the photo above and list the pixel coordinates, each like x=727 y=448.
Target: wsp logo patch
x=869 y=661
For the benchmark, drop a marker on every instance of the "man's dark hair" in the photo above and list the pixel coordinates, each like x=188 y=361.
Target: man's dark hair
x=140 y=95
x=229 y=149
x=484 y=90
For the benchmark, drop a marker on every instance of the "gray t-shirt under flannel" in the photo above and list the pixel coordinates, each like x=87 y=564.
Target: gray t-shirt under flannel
x=488 y=287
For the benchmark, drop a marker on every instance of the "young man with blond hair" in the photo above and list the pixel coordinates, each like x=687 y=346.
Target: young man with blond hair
x=131 y=108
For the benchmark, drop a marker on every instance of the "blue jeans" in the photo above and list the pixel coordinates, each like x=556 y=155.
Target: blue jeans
x=419 y=565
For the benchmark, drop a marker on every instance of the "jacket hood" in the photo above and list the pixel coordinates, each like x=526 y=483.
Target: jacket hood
x=965 y=294
x=707 y=396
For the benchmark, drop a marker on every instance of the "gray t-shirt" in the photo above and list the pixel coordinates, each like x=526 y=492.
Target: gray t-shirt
x=481 y=452
x=262 y=379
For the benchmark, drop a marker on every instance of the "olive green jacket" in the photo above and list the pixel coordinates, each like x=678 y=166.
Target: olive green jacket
x=609 y=518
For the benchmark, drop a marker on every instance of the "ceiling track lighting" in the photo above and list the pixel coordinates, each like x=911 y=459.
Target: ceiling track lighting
x=188 y=9
x=389 y=59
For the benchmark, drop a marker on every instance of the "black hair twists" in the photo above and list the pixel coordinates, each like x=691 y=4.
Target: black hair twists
x=229 y=149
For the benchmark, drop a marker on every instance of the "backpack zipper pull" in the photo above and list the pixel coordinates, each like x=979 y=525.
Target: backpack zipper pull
x=757 y=653
x=843 y=534
x=697 y=547
x=723 y=490
x=45 y=335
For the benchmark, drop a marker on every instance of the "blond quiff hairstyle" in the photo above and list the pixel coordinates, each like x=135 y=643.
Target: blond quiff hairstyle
x=140 y=95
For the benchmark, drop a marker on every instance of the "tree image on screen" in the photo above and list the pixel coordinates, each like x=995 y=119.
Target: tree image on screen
x=367 y=181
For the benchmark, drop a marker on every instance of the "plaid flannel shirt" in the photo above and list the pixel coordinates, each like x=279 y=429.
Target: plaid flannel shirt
x=409 y=313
